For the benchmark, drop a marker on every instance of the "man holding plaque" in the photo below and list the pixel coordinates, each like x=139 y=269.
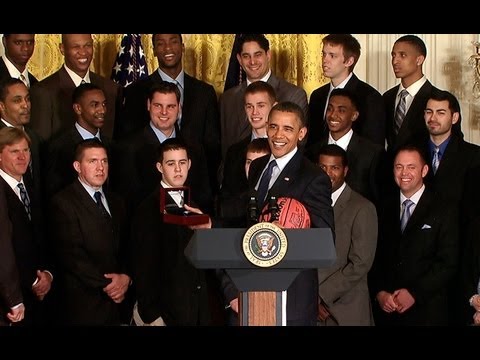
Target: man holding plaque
x=170 y=290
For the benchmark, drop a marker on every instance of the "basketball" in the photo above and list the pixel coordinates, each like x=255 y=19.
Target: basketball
x=291 y=214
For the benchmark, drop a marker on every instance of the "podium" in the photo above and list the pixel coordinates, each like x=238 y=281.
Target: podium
x=261 y=288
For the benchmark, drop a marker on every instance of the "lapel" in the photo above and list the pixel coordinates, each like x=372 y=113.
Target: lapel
x=449 y=158
x=416 y=107
x=288 y=176
x=420 y=213
x=353 y=149
x=342 y=201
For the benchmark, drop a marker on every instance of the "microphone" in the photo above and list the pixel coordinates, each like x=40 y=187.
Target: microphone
x=252 y=207
x=273 y=208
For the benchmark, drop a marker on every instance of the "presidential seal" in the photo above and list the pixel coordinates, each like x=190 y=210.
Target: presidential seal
x=264 y=244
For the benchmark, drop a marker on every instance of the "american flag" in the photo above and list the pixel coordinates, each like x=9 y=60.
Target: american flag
x=130 y=64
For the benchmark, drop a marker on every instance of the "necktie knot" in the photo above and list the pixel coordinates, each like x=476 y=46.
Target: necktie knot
x=25 y=199
x=406 y=213
x=264 y=184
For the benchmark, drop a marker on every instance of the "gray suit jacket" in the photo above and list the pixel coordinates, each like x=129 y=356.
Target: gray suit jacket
x=233 y=119
x=343 y=287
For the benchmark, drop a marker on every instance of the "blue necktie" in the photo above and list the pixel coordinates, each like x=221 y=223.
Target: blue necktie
x=98 y=198
x=264 y=182
x=25 y=199
x=406 y=213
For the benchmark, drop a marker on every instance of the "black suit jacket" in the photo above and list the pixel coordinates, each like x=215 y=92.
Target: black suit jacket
x=413 y=128
x=22 y=252
x=87 y=245
x=200 y=122
x=235 y=184
x=366 y=165
x=52 y=108
x=371 y=120
x=166 y=283
x=306 y=182
x=59 y=171
x=135 y=173
x=422 y=259
x=470 y=268
x=5 y=74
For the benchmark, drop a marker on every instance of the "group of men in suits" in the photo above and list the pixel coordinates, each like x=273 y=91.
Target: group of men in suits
x=74 y=105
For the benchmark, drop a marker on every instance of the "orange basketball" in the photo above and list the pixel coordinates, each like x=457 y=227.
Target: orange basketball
x=292 y=214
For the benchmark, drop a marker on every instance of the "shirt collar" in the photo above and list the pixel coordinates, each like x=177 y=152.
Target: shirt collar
x=14 y=73
x=336 y=194
x=85 y=134
x=264 y=79
x=442 y=147
x=343 y=141
x=415 y=197
x=91 y=191
x=342 y=84
x=160 y=135
x=77 y=80
x=12 y=182
x=414 y=88
x=180 y=79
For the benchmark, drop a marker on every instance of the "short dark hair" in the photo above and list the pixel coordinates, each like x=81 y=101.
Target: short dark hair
x=80 y=91
x=351 y=46
x=414 y=41
x=289 y=107
x=443 y=95
x=260 y=39
x=153 y=38
x=164 y=87
x=261 y=86
x=259 y=145
x=333 y=150
x=5 y=84
x=346 y=93
x=412 y=148
x=83 y=145
x=171 y=144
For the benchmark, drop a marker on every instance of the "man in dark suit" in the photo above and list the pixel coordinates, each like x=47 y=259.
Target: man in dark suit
x=24 y=280
x=135 y=157
x=408 y=55
x=292 y=175
x=15 y=112
x=452 y=159
x=89 y=104
x=417 y=253
x=343 y=289
x=366 y=159
x=89 y=237
x=170 y=290
x=199 y=119
x=18 y=50
x=340 y=54
x=259 y=99
x=52 y=111
x=254 y=56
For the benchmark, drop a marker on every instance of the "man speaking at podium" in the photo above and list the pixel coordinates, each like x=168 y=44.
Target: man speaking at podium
x=287 y=173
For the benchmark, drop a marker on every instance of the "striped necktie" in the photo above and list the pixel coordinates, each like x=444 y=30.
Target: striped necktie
x=401 y=111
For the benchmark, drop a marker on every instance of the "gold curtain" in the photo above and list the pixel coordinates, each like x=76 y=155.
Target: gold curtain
x=295 y=57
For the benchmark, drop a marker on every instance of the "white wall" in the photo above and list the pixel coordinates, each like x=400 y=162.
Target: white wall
x=446 y=66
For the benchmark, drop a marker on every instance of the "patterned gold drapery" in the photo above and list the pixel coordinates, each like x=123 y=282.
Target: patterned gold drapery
x=295 y=57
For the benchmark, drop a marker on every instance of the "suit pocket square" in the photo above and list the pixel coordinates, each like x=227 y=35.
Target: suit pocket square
x=426 y=226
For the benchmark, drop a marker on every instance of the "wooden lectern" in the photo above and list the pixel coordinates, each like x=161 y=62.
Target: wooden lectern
x=261 y=297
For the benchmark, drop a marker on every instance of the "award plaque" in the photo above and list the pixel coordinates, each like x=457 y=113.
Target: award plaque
x=172 y=213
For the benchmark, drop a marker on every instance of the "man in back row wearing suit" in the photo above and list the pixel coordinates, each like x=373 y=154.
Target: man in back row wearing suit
x=254 y=56
x=24 y=278
x=52 y=111
x=199 y=119
x=90 y=107
x=339 y=56
x=18 y=50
